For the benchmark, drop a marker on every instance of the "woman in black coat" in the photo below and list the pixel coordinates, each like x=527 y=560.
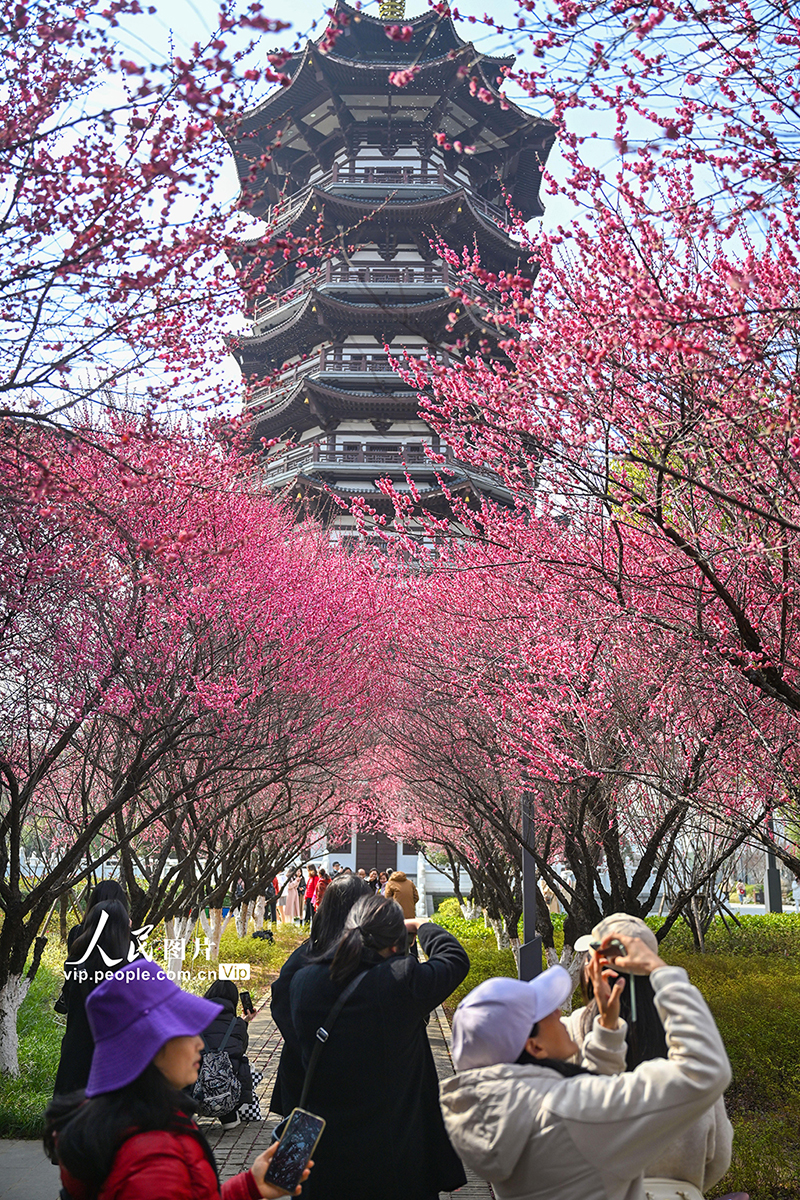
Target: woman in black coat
x=397 y=1147
x=106 y=889
x=82 y=975
x=340 y=895
x=224 y=992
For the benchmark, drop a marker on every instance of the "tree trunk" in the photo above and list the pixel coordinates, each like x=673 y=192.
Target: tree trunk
x=422 y=887
x=499 y=930
x=11 y=996
x=470 y=910
x=177 y=930
x=241 y=917
x=218 y=927
x=258 y=913
x=63 y=910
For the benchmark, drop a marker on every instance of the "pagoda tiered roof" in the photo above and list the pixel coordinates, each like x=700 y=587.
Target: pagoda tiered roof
x=455 y=218
x=317 y=317
x=314 y=403
x=326 y=108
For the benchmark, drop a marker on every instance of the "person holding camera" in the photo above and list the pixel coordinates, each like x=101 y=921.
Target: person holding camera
x=539 y=1127
x=396 y=1147
x=700 y=1155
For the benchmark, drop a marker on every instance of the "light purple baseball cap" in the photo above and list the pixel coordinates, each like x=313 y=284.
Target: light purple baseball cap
x=619 y=923
x=132 y=1015
x=493 y=1023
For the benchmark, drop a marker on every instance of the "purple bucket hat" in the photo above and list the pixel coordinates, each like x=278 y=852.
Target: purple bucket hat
x=132 y=1015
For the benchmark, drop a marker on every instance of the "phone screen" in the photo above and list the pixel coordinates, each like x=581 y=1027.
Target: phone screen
x=247 y=1003
x=295 y=1148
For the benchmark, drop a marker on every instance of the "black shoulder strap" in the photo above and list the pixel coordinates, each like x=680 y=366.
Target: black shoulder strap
x=324 y=1031
x=228 y=1033
x=224 y=1041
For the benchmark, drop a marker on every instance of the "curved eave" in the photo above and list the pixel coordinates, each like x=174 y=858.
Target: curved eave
x=438 y=216
x=321 y=318
x=435 y=501
x=319 y=73
x=314 y=405
x=435 y=35
x=361 y=24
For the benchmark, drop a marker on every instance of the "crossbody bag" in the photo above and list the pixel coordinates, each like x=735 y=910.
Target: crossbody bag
x=321 y=1037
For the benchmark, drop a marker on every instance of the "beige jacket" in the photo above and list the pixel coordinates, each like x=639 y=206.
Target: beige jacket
x=701 y=1154
x=538 y=1136
x=404 y=891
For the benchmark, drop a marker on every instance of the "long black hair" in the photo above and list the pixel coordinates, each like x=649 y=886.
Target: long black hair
x=107 y=889
x=375 y=923
x=337 y=900
x=223 y=989
x=86 y=1134
x=115 y=937
x=645 y=1038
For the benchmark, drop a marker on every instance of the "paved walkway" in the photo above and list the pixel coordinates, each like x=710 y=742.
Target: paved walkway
x=25 y=1173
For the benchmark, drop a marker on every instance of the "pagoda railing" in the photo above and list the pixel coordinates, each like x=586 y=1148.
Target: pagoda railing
x=411 y=455
x=334 y=362
x=389 y=177
x=368 y=273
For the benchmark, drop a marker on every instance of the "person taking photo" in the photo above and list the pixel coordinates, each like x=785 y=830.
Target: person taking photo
x=541 y=1128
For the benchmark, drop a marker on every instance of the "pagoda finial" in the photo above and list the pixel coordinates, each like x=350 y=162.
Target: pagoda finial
x=392 y=10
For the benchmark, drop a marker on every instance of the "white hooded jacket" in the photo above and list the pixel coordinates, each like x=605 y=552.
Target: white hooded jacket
x=539 y=1136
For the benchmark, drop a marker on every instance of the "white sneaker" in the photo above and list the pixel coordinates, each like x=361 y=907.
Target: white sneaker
x=227 y=1123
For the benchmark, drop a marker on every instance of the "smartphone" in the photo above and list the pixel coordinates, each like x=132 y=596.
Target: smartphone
x=300 y=1137
x=247 y=1003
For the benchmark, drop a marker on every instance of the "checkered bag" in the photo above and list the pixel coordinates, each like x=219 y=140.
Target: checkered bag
x=251 y=1110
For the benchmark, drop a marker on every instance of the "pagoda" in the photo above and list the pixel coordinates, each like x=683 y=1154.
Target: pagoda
x=386 y=177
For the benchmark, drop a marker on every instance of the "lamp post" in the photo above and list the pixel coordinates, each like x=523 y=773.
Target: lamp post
x=773 y=901
x=530 y=952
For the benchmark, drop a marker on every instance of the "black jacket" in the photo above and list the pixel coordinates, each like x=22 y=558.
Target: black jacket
x=395 y=1145
x=77 y=1044
x=291 y=1073
x=236 y=1046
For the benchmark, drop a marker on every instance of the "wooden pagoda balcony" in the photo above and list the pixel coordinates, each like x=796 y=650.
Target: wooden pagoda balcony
x=359 y=461
x=370 y=275
x=335 y=362
x=371 y=177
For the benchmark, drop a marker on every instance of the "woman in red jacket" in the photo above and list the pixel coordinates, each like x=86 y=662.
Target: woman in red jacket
x=133 y=1136
x=311 y=893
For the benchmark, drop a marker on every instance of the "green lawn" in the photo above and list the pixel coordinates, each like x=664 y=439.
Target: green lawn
x=24 y=1099
x=751 y=980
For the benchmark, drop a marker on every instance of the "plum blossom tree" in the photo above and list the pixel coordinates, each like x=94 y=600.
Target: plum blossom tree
x=169 y=644
x=115 y=286
x=651 y=395
x=528 y=687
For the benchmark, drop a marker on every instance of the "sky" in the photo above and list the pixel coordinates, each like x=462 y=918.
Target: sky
x=179 y=23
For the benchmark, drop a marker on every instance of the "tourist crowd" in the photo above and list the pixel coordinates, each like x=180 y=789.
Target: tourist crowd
x=296 y=898
x=620 y=1100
